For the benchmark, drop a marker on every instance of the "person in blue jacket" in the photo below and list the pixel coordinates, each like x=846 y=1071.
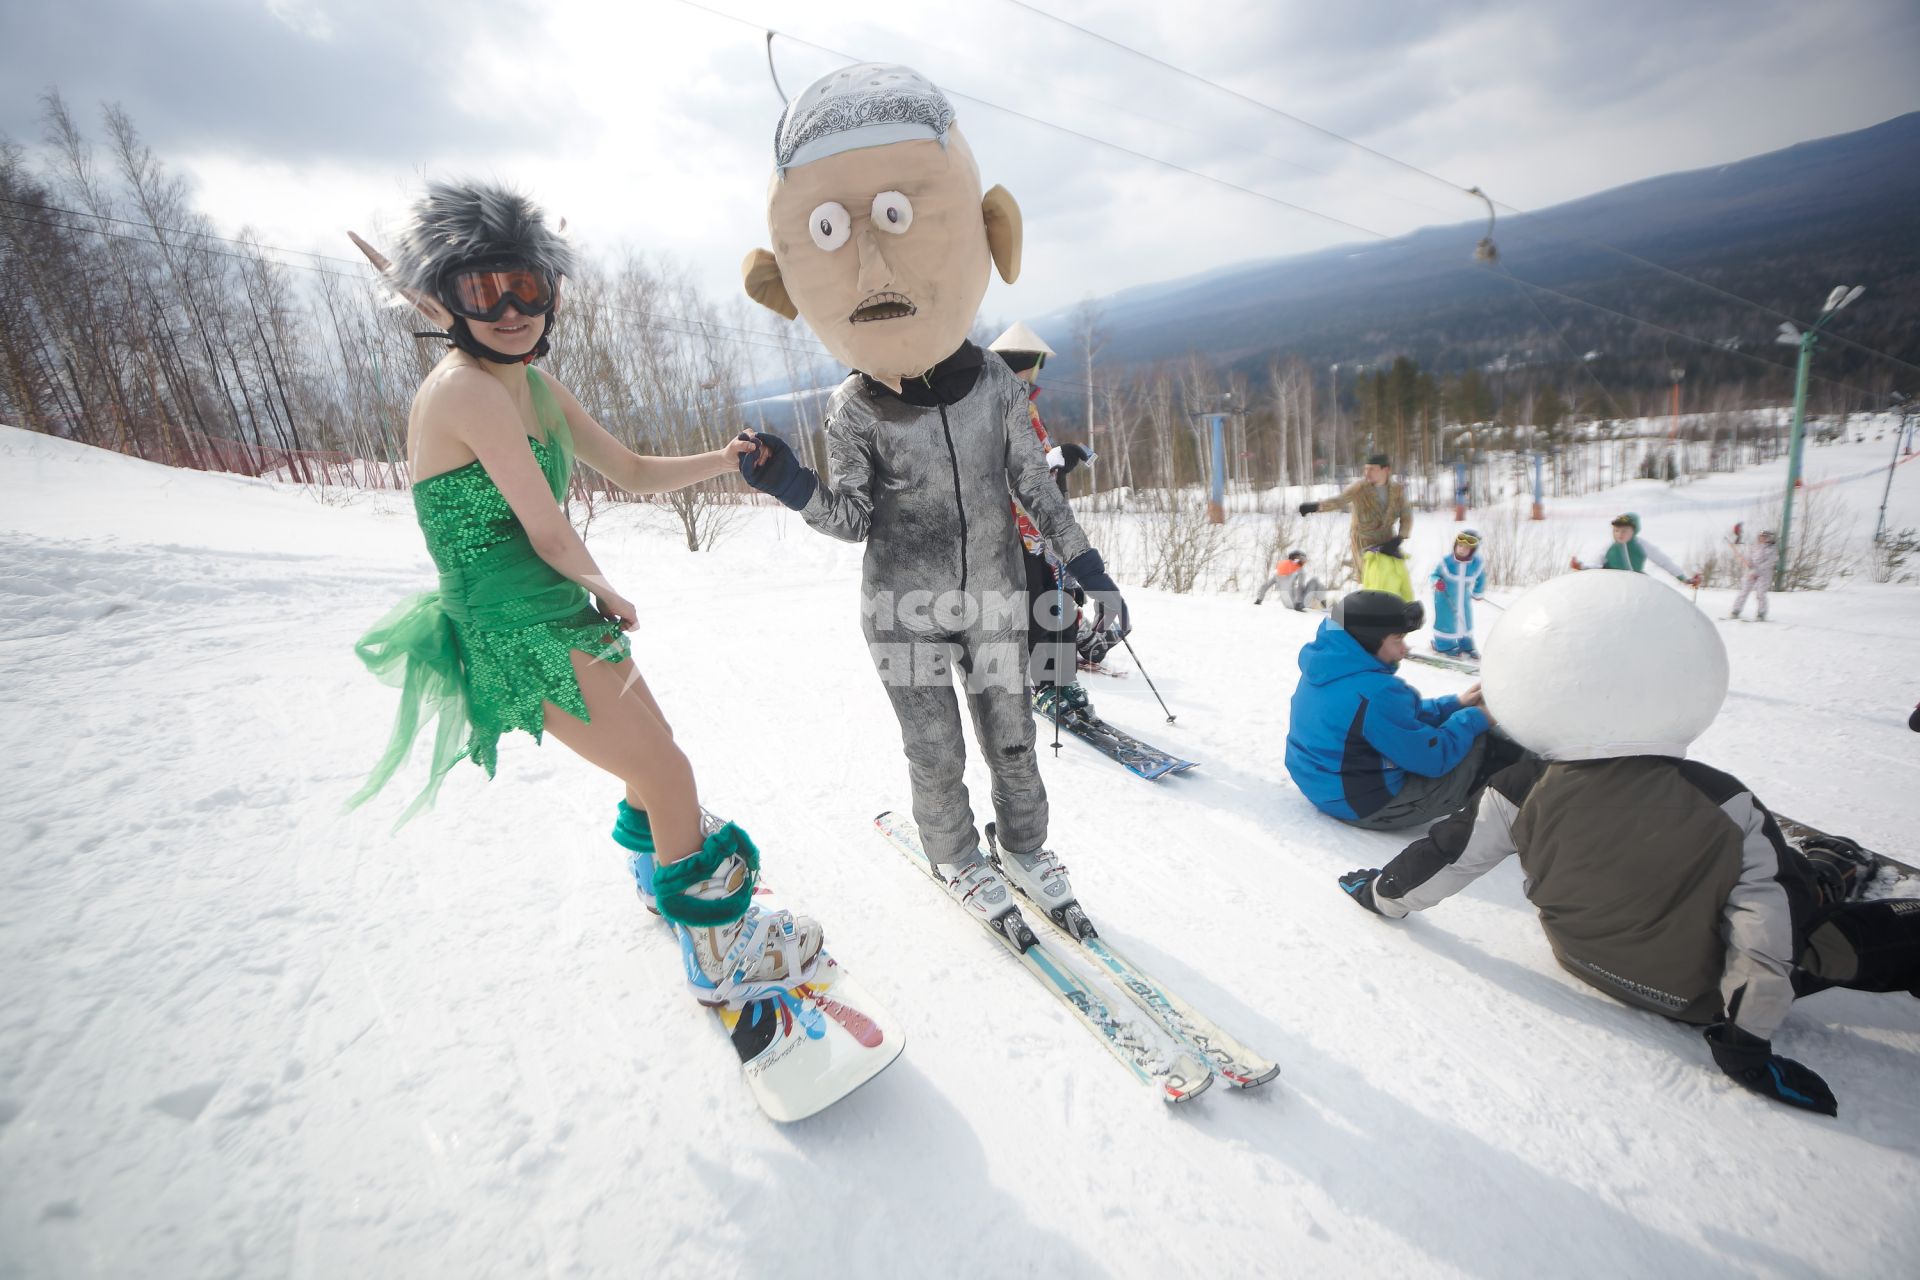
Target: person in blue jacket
x=1363 y=745
x=1457 y=582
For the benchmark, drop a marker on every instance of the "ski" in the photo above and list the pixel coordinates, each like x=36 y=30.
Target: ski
x=1102 y=669
x=1231 y=1060
x=1445 y=663
x=1179 y=1077
x=1137 y=757
x=1887 y=871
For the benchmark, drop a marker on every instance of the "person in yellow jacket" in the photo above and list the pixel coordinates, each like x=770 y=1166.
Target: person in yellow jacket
x=1382 y=521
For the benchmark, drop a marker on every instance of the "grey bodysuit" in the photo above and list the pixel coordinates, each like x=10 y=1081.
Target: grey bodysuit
x=925 y=478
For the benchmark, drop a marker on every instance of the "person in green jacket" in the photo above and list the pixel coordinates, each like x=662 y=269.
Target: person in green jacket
x=1630 y=551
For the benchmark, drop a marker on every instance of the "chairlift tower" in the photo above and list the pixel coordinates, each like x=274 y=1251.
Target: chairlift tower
x=1791 y=336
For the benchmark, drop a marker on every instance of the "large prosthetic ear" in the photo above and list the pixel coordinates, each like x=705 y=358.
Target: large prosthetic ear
x=1003 y=231
x=761 y=275
x=432 y=308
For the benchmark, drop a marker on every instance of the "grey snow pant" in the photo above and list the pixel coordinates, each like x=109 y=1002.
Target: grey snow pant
x=917 y=670
x=1421 y=799
x=1300 y=588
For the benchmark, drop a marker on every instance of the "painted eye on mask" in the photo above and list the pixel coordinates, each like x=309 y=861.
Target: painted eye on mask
x=830 y=225
x=892 y=212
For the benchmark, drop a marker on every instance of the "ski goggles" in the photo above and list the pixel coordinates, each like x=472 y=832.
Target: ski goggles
x=485 y=293
x=1470 y=539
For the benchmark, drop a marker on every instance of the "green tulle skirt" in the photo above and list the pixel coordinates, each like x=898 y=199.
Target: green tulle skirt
x=481 y=656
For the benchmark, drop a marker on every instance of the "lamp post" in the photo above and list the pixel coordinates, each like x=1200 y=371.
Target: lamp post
x=1790 y=336
x=1903 y=403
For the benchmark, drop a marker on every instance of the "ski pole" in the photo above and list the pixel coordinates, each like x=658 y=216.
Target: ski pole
x=1145 y=676
x=1060 y=612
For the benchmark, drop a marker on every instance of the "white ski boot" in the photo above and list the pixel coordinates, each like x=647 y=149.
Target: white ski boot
x=1042 y=877
x=977 y=886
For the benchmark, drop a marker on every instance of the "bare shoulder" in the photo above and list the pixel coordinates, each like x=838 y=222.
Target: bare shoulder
x=458 y=392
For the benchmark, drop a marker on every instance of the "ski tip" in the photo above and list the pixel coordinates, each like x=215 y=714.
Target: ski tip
x=1239 y=1081
x=883 y=815
x=1184 y=1084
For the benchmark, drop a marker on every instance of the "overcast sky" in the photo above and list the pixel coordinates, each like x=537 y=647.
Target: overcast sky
x=648 y=123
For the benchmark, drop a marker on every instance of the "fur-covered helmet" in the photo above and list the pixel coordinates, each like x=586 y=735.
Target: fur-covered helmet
x=458 y=224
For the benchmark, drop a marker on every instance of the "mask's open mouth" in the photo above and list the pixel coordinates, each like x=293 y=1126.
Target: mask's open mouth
x=882 y=306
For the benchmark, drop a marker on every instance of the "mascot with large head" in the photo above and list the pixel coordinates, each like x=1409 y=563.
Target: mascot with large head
x=882 y=241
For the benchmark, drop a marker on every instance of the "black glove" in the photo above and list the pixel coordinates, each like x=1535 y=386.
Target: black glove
x=1391 y=547
x=1752 y=1061
x=772 y=468
x=1359 y=887
x=1308 y=508
x=1087 y=570
x=1913 y=721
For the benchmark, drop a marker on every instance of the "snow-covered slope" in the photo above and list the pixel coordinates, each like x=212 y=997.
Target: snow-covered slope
x=241 y=1034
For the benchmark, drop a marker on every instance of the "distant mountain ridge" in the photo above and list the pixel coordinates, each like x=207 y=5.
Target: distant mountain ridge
x=1779 y=228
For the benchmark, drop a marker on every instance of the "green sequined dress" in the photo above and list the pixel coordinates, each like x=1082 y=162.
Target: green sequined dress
x=495 y=642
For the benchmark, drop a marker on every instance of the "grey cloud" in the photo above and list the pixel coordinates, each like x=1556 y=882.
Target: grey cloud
x=230 y=75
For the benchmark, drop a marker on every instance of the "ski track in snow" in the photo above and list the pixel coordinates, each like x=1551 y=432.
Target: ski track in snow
x=244 y=1034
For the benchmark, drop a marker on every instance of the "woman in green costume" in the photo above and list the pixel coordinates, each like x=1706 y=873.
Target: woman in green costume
x=525 y=631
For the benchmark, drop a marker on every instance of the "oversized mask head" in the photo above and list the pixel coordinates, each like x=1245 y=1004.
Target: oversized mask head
x=881 y=237
x=1592 y=666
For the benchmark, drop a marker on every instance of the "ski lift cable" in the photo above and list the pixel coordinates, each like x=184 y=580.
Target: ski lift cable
x=1612 y=404
x=1703 y=342
x=1686 y=337
x=1448 y=182
x=1061 y=128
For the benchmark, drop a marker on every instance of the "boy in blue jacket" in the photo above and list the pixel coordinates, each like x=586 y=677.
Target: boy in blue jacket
x=1363 y=745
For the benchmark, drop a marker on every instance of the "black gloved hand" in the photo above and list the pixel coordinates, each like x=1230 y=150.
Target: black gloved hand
x=1359 y=887
x=772 y=468
x=1391 y=547
x=1752 y=1061
x=1308 y=508
x=1913 y=721
x=1088 y=570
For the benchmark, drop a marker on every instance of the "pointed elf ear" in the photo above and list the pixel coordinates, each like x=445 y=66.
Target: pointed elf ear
x=432 y=308
x=1003 y=231
x=761 y=276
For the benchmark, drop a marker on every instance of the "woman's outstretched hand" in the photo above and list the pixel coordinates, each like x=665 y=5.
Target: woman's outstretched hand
x=741 y=444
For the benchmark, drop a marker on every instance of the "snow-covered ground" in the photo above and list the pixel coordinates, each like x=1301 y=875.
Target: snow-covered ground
x=242 y=1034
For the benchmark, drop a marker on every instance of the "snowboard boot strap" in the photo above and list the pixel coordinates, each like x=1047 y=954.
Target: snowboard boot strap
x=700 y=891
x=1840 y=867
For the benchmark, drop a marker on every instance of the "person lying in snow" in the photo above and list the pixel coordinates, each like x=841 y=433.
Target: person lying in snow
x=1663 y=882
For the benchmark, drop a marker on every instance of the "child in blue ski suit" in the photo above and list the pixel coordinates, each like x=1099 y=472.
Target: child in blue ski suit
x=1458 y=581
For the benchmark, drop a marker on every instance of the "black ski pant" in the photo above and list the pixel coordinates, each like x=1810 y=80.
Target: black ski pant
x=1052 y=625
x=1867 y=946
x=918 y=670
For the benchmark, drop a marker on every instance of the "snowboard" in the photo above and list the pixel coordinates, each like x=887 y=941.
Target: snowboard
x=1892 y=877
x=806 y=1049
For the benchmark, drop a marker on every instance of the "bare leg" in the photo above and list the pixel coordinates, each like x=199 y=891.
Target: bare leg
x=627 y=736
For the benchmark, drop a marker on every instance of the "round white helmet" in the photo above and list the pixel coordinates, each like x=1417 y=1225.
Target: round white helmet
x=1590 y=666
